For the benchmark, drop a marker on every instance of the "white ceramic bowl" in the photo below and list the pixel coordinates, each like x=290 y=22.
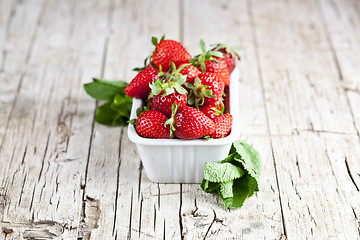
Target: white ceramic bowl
x=183 y=161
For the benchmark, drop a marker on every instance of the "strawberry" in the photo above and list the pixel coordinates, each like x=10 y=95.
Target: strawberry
x=191 y=123
x=222 y=125
x=207 y=89
x=151 y=124
x=231 y=56
x=213 y=110
x=139 y=86
x=163 y=102
x=168 y=90
x=191 y=72
x=212 y=61
x=167 y=51
x=218 y=67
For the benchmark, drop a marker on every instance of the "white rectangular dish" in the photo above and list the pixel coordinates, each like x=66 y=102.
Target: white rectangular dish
x=183 y=161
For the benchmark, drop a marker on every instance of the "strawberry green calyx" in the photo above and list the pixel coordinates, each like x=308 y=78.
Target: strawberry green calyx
x=200 y=59
x=232 y=50
x=198 y=93
x=208 y=138
x=141 y=110
x=133 y=121
x=154 y=40
x=167 y=88
x=170 y=82
x=219 y=109
x=170 y=121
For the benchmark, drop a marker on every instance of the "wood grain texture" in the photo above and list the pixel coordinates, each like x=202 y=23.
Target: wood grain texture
x=63 y=176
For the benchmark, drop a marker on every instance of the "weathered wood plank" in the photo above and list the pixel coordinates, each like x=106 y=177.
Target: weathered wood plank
x=16 y=37
x=203 y=214
x=48 y=133
x=19 y=23
x=129 y=202
x=340 y=22
x=300 y=83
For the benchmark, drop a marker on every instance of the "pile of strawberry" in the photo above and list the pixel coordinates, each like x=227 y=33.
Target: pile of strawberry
x=183 y=95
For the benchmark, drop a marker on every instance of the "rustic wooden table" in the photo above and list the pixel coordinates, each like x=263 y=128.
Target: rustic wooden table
x=63 y=176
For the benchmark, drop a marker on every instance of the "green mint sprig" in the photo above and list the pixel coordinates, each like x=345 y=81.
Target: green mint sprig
x=116 y=109
x=236 y=177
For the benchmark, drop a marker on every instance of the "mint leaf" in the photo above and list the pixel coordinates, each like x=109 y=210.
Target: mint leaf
x=236 y=177
x=104 y=90
x=209 y=187
x=248 y=157
x=122 y=104
x=226 y=189
x=240 y=193
x=117 y=108
x=222 y=172
x=106 y=115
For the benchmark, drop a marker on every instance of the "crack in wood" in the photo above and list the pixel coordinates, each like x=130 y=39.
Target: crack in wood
x=350 y=174
x=154 y=217
x=312 y=218
x=295 y=188
x=140 y=214
x=139 y=179
x=211 y=224
x=32 y=198
x=41 y=230
x=298 y=167
x=117 y=182
x=24 y=155
x=89 y=215
x=180 y=216
x=130 y=218
x=164 y=230
x=22 y=189
x=43 y=159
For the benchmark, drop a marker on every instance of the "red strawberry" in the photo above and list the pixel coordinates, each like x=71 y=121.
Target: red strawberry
x=231 y=56
x=168 y=90
x=150 y=124
x=207 y=89
x=229 y=60
x=191 y=72
x=163 y=102
x=139 y=86
x=191 y=123
x=168 y=51
x=222 y=125
x=212 y=61
x=213 y=110
x=219 y=68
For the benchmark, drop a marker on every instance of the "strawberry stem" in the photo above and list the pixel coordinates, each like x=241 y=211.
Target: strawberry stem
x=170 y=121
